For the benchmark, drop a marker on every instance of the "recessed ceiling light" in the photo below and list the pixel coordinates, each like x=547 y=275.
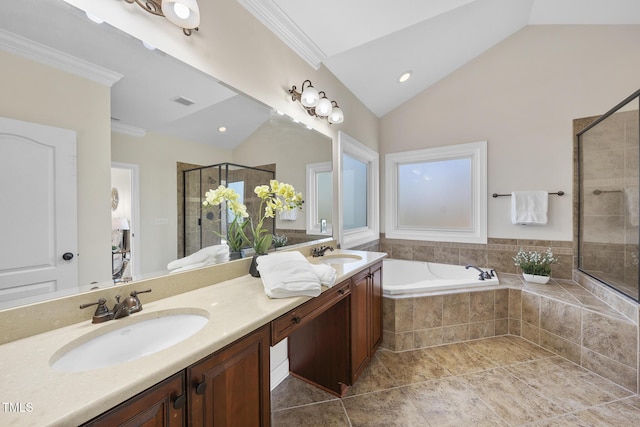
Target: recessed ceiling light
x=405 y=76
x=222 y=129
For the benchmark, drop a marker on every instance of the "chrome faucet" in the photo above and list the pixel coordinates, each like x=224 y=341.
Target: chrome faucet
x=316 y=252
x=483 y=274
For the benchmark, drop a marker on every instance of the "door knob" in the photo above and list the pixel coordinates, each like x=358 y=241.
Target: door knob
x=67 y=256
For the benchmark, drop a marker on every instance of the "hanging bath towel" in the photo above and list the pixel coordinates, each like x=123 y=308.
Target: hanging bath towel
x=529 y=207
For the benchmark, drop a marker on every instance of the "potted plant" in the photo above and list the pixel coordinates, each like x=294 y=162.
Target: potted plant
x=235 y=238
x=535 y=266
x=275 y=197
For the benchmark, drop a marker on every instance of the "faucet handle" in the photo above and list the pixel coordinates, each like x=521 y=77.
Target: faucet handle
x=134 y=293
x=133 y=302
x=102 y=313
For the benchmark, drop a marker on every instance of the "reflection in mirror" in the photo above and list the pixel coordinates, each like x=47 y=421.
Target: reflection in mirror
x=609 y=198
x=319 y=198
x=161 y=113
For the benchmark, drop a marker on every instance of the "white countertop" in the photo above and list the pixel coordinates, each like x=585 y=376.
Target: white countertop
x=42 y=396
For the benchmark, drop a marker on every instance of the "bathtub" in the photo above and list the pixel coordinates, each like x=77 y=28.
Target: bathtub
x=402 y=278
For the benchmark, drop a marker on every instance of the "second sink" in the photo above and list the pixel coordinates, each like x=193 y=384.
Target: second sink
x=340 y=258
x=146 y=336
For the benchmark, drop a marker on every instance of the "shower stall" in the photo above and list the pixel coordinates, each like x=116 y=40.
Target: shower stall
x=608 y=204
x=203 y=227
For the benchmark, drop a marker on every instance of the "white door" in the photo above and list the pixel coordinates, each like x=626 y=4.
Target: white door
x=38 y=218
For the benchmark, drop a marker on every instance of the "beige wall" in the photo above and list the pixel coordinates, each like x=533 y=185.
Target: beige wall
x=156 y=156
x=521 y=96
x=291 y=147
x=36 y=93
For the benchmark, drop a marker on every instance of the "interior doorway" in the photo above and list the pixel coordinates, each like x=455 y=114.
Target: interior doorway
x=125 y=222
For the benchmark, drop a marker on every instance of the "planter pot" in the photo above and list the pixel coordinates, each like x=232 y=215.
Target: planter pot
x=253 y=269
x=234 y=255
x=535 y=278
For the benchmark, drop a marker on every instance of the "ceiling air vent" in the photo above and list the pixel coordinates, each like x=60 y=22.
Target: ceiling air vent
x=184 y=101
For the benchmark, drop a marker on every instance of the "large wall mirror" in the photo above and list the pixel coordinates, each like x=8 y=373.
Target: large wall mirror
x=155 y=114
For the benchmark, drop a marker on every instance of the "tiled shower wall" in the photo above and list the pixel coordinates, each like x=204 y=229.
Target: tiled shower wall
x=610 y=167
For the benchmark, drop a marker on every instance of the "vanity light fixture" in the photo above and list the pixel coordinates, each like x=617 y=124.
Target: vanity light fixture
x=316 y=103
x=183 y=13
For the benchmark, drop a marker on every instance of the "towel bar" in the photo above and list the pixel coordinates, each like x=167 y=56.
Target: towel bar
x=494 y=195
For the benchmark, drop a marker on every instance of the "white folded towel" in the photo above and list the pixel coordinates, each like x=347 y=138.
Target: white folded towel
x=288 y=274
x=210 y=255
x=529 y=207
x=326 y=274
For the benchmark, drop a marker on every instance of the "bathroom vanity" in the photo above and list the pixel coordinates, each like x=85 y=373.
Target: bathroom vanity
x=217 y=376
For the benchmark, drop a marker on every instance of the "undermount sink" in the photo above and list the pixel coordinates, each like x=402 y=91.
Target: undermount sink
x=340 y=259
x=131 y=341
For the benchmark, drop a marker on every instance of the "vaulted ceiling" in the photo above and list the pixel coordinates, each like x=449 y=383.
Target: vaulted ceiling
x=368 y=44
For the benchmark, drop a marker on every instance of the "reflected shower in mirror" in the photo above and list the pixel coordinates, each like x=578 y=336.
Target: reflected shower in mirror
x=609 y=197
x=139 y=109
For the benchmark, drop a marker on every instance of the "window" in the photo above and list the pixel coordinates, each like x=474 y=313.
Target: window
x=359 y=193
x=437 y=194
x=319 y=202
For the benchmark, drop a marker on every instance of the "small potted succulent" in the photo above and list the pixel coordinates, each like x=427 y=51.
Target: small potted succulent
x=536 y=267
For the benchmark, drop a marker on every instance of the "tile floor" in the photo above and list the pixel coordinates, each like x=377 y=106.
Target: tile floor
x=499 y=381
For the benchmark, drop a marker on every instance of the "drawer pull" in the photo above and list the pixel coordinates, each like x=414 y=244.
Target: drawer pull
x=200 y=388
x=341 y=291
x=179 y=402
x=296 y=319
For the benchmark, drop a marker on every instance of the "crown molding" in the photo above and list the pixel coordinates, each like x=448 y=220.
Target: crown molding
x=35 y=51
x=287 y=30
x=118 y=127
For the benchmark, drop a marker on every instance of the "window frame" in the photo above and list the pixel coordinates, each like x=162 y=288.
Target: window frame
x=477 y=151
x=359 y=236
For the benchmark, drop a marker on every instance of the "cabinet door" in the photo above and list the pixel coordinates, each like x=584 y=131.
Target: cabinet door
x=161 y=405
x=319 y=351
x=231 y=387
x=376 y=307
x=360 y=344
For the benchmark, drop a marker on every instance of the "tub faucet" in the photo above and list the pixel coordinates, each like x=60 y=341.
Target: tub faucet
x=316 y=252
x=483 y=274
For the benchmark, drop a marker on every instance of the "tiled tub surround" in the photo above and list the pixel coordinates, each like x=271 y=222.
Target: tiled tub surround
x=562 y=316
x=497 y=254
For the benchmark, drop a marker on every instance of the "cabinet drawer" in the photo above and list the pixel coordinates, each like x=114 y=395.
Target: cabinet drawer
x=284 y=325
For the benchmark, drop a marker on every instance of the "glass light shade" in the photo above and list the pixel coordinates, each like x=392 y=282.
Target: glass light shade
x=337 y=116
x=309 y=97
x=324 y=107
x=183 y=13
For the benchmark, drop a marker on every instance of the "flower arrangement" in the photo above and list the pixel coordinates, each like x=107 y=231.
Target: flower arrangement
x=235 y=237
x=533 y=262
x=275 y=197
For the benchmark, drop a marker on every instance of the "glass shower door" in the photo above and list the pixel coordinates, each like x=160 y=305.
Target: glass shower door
x=609 y=192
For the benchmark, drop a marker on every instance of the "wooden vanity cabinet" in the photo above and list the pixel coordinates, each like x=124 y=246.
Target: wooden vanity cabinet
x=228 y=388
x=231 y=387
x=366 y=317
x=319 y=344
x=164 y=404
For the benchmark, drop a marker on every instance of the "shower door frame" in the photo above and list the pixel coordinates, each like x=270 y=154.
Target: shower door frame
x=580 y=216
